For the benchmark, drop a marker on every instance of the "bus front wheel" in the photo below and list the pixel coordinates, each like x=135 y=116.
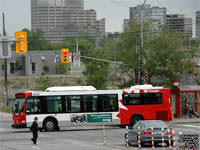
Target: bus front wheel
x=49 y=125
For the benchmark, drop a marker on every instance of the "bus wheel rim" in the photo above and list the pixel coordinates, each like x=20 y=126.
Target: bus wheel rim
x=50 y=125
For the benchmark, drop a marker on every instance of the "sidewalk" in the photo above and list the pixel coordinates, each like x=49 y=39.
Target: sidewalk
x=184 y=120
x=5 y=115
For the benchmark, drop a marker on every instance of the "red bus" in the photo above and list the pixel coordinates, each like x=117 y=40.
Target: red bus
x=67 y=106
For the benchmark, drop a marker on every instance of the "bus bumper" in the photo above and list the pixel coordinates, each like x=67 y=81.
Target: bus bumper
x=18 y=126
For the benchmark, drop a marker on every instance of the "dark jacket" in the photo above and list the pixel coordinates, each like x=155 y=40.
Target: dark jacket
x=34 y=128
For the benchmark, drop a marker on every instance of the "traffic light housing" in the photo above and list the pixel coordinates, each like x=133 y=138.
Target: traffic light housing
x=64 y=55
x=146 y=76
x=21 y=42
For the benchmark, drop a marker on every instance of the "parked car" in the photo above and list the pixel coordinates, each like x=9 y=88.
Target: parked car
x=145 y=132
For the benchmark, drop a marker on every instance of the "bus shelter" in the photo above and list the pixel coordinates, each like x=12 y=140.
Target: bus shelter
x=177 y=98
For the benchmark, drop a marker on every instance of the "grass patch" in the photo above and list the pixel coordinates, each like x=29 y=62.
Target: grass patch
x=7 y=109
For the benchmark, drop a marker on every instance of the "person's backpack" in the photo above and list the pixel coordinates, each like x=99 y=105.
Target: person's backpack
x=31 y=128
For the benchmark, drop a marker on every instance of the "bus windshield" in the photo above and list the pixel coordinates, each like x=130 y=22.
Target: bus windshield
x=18 y=105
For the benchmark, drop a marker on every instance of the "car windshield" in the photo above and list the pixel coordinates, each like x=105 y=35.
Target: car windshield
x=18 y=105
x=155 y=124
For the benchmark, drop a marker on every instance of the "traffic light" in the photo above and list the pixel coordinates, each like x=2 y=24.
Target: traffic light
x=146 y=76
x=21 y=42
x=64 y=55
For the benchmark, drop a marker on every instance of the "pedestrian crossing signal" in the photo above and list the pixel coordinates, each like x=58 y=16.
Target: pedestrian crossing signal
x=64 y=55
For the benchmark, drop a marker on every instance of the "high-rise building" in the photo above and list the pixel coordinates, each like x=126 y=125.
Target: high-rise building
x=198 y=24
x=180 y=22
x=154 y=15
x=59 y=19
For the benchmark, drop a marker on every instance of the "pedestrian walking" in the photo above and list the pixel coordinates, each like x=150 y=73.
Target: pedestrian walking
x=34 y=129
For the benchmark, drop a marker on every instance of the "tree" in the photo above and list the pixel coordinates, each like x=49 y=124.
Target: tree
x=46 y=68
x=36 y=41
x=96 y=72
x=62 y=68
x=164 y=57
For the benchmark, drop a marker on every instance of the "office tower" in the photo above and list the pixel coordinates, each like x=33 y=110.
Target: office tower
x=198 y=24
x=180 y=22
x=59 y=19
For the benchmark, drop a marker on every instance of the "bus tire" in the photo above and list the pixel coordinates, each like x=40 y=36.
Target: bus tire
x=50 y=125
x=135 y=118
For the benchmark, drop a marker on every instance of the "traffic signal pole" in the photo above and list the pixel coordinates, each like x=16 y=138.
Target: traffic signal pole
x=141 y=46
x=5 y=68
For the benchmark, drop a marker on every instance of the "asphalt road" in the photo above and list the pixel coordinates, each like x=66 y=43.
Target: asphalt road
x=75 y=138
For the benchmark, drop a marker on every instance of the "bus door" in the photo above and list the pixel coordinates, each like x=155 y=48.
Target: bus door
x=33 y=108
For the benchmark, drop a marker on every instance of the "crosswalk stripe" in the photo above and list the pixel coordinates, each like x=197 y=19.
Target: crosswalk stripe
x=35 y=147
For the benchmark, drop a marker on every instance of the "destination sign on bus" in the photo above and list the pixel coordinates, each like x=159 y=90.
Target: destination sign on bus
x=151 y=91
x=20 y=95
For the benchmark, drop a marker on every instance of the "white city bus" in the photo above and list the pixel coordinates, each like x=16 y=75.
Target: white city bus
x=67 y=106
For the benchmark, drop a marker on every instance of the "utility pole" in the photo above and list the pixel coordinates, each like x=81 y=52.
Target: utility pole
x=5 y=68
x=76 y=45
x=141 y=46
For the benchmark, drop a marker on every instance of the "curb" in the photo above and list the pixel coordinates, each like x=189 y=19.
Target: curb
x=185 y=121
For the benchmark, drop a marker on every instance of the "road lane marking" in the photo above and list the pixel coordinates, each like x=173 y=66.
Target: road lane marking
x=191 y=126
x=35 y=147
x=2 y=129
x=184 y=129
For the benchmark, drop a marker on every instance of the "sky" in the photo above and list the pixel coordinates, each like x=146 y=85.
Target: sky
x=18 y=12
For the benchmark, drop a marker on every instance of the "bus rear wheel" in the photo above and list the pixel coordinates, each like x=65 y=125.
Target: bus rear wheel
x=50 y=125
x=135 y=119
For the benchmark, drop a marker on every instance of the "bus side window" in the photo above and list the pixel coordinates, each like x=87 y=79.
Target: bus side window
x=90 y=103
x=73 y=103
x=54 y=104
x=132 y=99
x=109 y=102
x=152 y=98
x=33 y=105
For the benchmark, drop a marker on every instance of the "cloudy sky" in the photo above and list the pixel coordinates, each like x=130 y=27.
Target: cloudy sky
x=17 y=12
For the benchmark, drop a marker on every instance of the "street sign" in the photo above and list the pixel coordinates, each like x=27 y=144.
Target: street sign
x=5 y=47
x=76 y=60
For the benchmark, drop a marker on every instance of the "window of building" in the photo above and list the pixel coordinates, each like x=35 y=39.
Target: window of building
x=12 y=68
x=33 y=67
